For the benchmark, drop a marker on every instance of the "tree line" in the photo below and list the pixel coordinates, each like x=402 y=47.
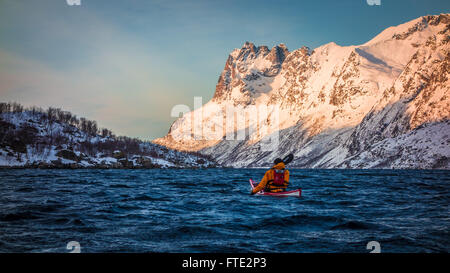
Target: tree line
x=52 y=115
x=18 y=138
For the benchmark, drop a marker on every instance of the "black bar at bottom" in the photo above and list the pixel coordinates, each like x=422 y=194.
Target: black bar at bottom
x=208 y=262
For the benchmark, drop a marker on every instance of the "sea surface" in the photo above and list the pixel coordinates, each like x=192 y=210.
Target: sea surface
x=211 y=211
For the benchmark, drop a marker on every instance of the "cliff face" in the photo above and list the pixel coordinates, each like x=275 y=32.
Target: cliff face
x=382 y=104
x=248 y=70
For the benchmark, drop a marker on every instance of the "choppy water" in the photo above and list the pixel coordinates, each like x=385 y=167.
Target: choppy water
x=212 y=211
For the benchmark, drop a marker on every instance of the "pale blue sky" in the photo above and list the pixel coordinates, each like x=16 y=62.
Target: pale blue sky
x=127 y=63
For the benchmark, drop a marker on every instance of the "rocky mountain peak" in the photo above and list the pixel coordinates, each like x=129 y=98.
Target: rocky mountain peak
x=407 y=30
x=263 y=50
x=305 y=50
x=248 y=66
x=438 y=19
x=278 y=53
x=249 y=45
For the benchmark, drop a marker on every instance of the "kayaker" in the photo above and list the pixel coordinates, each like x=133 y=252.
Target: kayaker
x=275 y=180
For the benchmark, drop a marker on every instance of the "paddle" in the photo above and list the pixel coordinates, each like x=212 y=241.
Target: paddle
x=288 y=159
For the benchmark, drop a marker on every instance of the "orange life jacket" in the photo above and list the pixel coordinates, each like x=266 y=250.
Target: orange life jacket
x=276 y=180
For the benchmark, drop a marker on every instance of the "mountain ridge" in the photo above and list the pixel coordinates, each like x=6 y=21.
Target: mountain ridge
x=336 y=102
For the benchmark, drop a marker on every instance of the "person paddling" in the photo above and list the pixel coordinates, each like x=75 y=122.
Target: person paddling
x=277 y=178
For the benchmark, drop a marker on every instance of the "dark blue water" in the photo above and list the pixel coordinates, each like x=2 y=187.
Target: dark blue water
x=212 y=211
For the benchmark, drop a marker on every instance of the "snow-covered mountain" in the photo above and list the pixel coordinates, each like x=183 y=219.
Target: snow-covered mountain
x=383 y=104
x=58 y=139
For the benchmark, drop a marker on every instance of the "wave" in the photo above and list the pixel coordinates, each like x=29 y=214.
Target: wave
x=120 y=186
x=355 y=225
x=302 y=219
x=26 y=215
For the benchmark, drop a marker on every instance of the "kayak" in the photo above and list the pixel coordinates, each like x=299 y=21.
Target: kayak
x=296 y=193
